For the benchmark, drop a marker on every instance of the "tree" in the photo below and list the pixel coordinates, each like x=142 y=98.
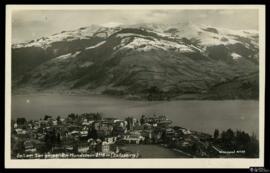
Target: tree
x=21 y=121
x=75 y=147
x=216 y=134
x=230 y=134
x=153 y=90
x=227 y=138
x=72 y=116
x=97 y=116
x=129 y=121
x=46 y=117
x=58 y=119
x=242 y=139
x=50 y=139
x=142 y=120
x=227 y=135
x=252 y=147
x=17 y=147
x=163 y=136
x=58 y=138
x=194 y=148
x=48 y=142
x=92 y=133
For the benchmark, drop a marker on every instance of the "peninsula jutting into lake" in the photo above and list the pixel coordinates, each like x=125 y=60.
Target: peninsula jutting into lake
x=90 y=135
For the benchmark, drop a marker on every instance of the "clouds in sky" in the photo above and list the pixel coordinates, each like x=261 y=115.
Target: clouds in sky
x=32 y=24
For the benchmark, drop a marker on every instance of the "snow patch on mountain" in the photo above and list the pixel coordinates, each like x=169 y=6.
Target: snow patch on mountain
x=142 y=44
x=95 y=46
x=122 y=35
x=206 y=34
x=86 y=64
x=45 y=42
x=235 y=56
x=209 y=35
x=161 y=34
x=69 y=55
x=62 y=57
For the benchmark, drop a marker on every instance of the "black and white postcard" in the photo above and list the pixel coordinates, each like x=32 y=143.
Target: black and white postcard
x=134 y=86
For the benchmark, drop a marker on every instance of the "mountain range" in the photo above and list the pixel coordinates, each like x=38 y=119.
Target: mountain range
x=142 y=61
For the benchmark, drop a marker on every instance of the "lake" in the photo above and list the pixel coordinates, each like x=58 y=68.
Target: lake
x=201 y=115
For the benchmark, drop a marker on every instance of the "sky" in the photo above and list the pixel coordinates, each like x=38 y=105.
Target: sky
x=32 y=24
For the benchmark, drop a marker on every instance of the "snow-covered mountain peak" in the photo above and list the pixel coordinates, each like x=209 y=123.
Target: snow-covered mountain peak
x=184 y=58
x=70 y=35
x=206 y=34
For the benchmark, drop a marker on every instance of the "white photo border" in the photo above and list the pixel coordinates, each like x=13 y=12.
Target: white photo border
x=134 y=163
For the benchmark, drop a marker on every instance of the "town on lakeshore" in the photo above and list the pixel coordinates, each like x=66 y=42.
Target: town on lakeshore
x=91 y=135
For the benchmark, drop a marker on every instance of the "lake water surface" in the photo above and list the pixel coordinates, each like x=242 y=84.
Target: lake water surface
x=202 y=115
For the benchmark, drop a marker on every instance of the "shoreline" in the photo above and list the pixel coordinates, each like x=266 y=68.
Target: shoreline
x=184 y=143
x=37 y=105
x=124 y=97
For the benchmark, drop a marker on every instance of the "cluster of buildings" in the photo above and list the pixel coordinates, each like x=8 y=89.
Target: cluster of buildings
x=91 y=133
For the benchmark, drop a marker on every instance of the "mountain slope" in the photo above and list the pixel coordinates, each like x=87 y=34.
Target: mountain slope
x=146 y=60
